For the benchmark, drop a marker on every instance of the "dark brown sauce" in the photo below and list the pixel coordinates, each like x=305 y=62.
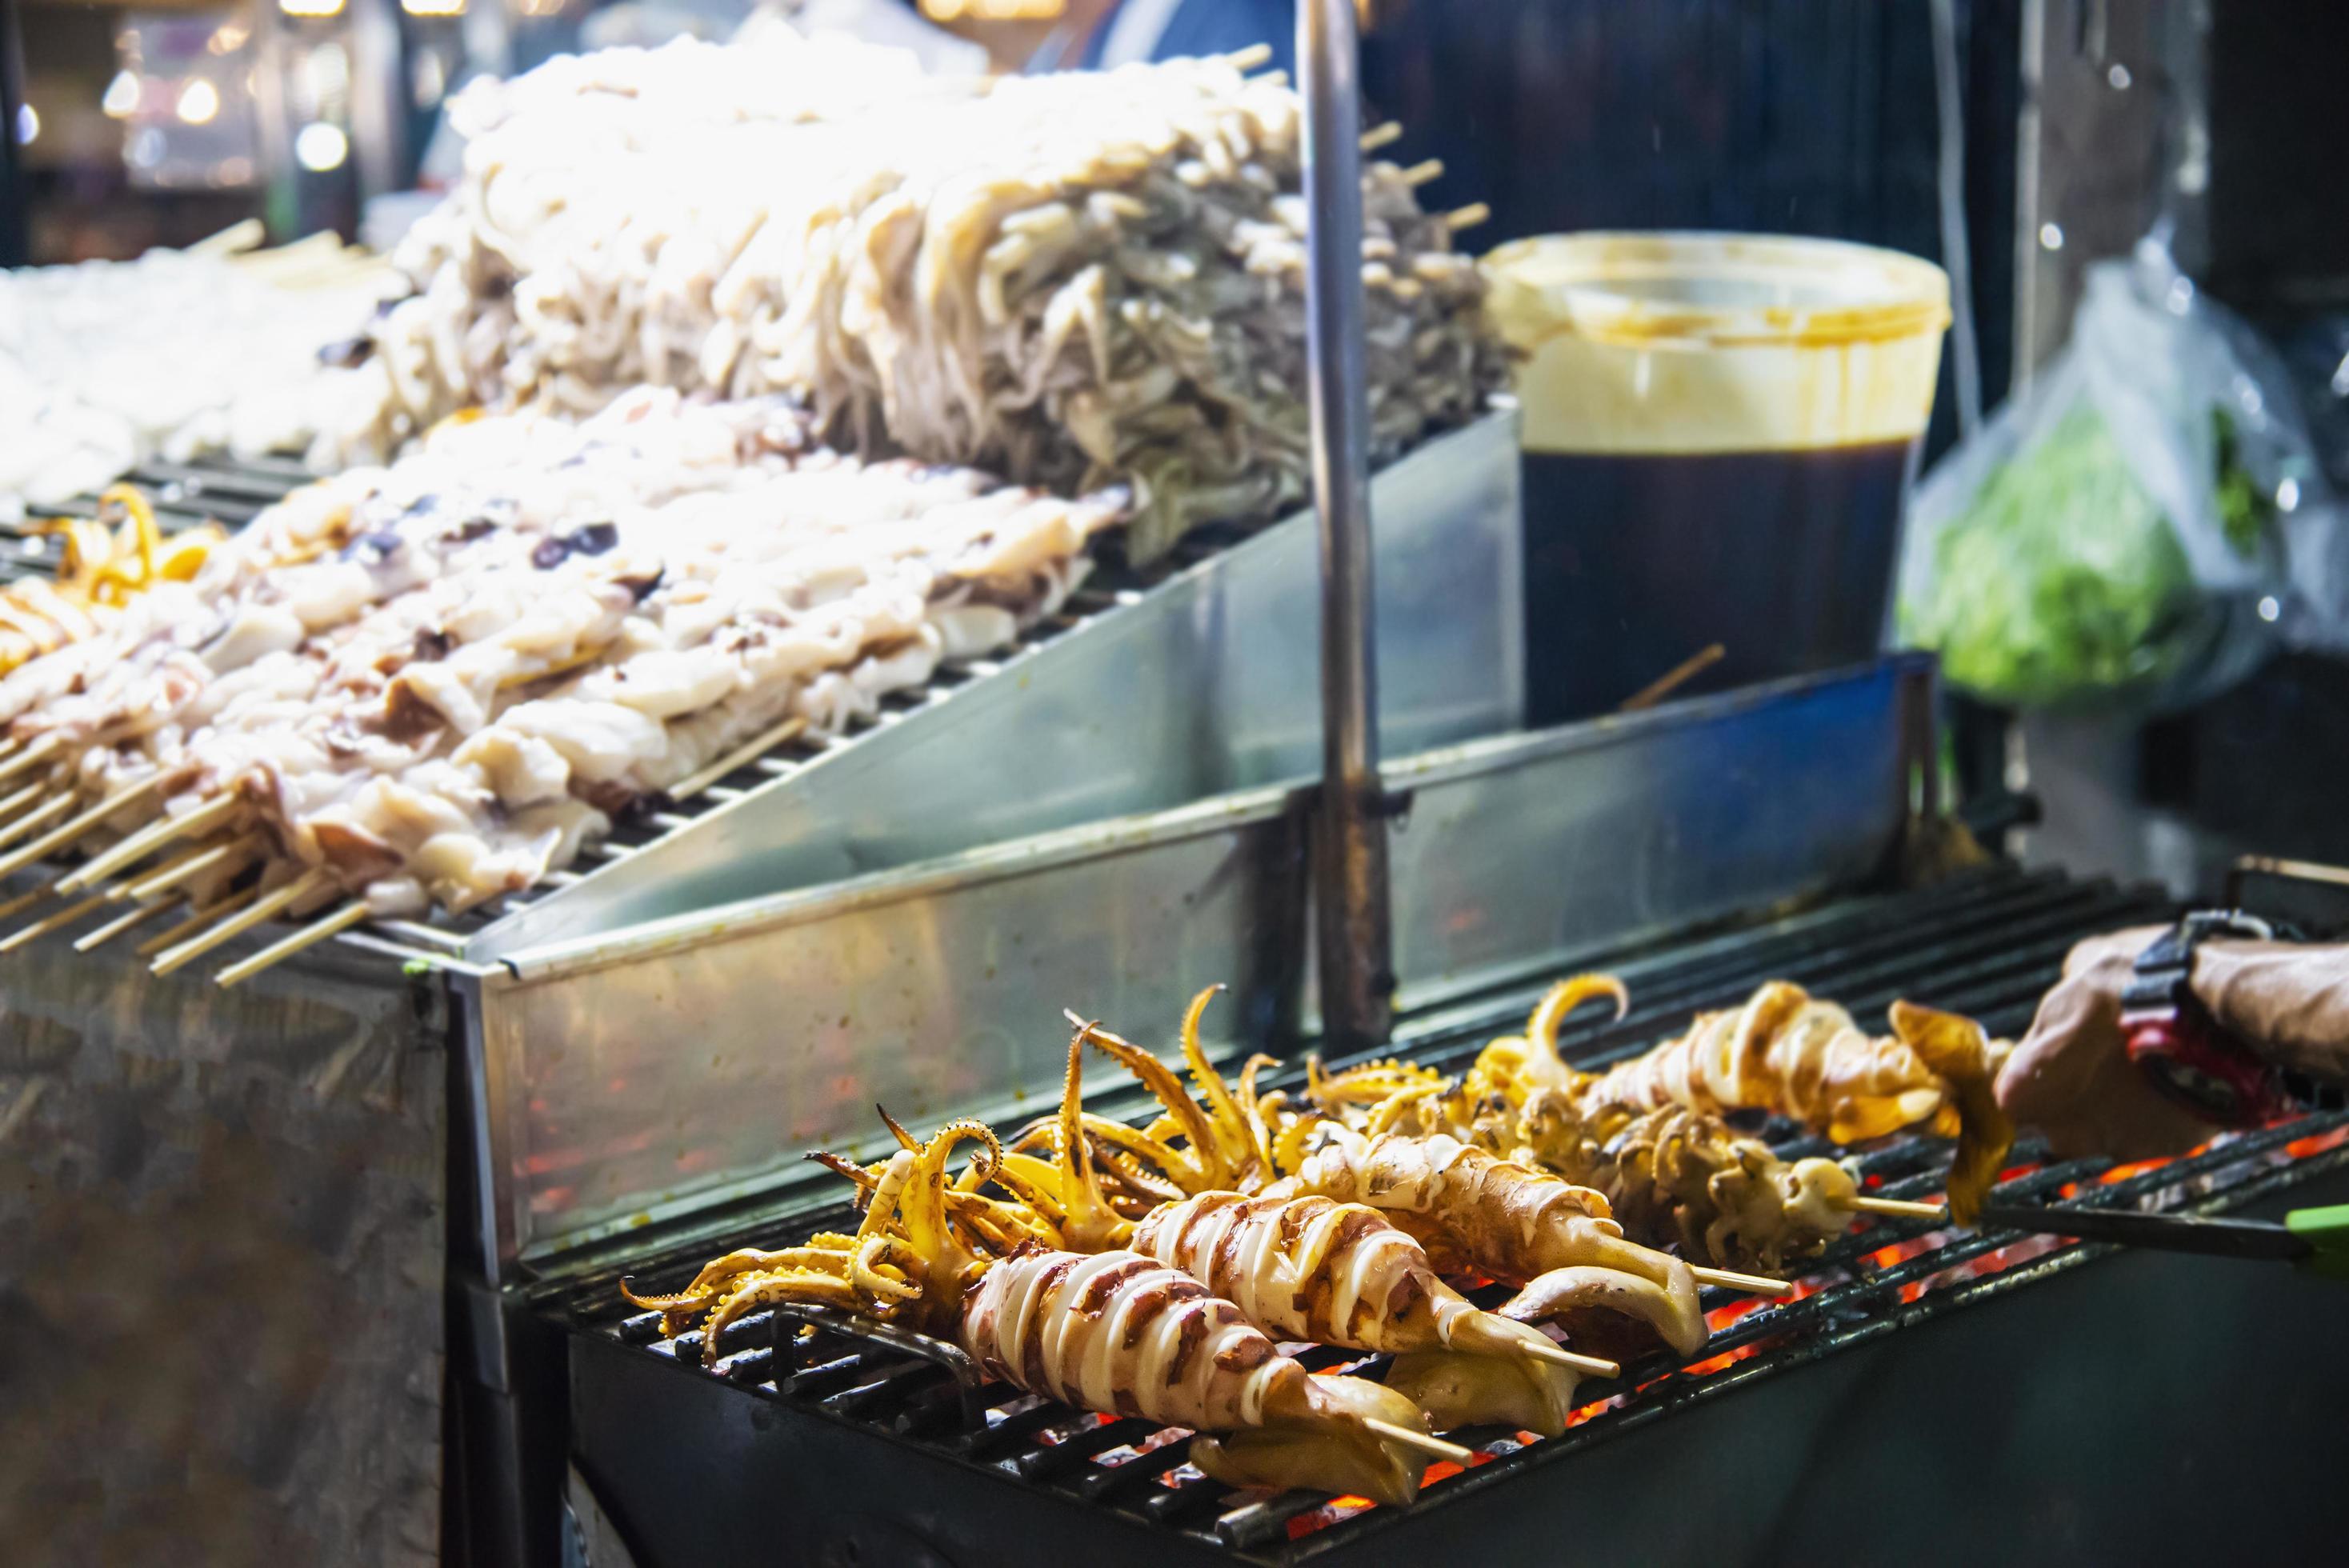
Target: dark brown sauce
x=1635 y=562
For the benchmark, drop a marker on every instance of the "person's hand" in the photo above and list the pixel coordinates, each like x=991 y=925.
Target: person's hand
x=2071 y=1075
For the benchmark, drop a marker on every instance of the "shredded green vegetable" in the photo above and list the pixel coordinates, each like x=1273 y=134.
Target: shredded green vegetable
x=2062 y=582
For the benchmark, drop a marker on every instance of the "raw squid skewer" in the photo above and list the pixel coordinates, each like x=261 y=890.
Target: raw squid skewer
x=1113 y=1331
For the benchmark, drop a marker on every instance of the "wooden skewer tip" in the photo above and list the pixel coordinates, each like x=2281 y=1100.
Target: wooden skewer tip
x=48 y=924
x=1899 y=1207
x=1422 y=172
x=1385 y=135
x=122 y=922
x=1249 y=58
x=1752 y=1285
x=1467 y=217
x=276 y=952
x=1592 y=1366
x=40 y=751
x=209 y=912
x=1419 y=1441
x=245 y=920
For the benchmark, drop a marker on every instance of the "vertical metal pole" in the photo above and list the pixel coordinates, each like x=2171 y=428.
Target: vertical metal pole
x=1349 y=839
x=16 y=191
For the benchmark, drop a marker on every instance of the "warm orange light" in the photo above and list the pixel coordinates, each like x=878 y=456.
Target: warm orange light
x=994 y=10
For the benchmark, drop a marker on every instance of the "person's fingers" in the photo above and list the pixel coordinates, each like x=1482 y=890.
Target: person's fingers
x=2123 y=946
x=2071 y=1078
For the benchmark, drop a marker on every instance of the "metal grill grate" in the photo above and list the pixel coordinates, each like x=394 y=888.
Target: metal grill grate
x=1988 y=945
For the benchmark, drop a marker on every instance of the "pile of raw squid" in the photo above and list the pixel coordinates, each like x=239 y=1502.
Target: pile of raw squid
x=1156 y=1272
x=1070 y=280
x=436 y=682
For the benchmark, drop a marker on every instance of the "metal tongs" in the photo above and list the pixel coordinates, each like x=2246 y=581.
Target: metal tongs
x=2315 y=1239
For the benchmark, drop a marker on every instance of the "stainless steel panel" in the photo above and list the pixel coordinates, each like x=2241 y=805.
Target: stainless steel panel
x=662 y=1068
x=1207 y=684
x=1518 y=852
x=685 y=1062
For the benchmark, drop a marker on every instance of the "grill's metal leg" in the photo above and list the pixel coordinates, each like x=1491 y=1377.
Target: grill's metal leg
x=1350 y=845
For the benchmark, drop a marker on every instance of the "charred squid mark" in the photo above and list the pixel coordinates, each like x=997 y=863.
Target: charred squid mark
x=593 y=538
x=1094 y=1298
x=1246 y=1356
x=406 y=717
x=469 y=530
x=375 y=548
x=1192 y=1334
x=432 y=643
x=642 y=585
x=351 y=352
x=1147 y=1305
x=588 y=539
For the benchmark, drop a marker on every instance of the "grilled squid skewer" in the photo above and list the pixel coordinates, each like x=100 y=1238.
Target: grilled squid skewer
x=1462 y=1204
x=1790 y=1054
x=1307 y=1268
x=1341 y=1274
x=1112 y=1331
x=1528 y=1227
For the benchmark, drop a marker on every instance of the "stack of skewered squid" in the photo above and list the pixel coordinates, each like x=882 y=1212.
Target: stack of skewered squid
x=1072 y=280
x=438 y=682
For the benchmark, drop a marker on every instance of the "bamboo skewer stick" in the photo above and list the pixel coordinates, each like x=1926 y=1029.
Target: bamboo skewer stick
x=39 y=817
x=1385 y=135
x=277 y=951
x=23 y=902
x=1419 y=1441
x=1753 y=1285
x=237 y=924
x=10 y=747
x=48 y=924
x=211 y=911
x=51 y=842
x=122 y=922
x=1590 y=1365
x=1899 y=1207
x=740 y=756
x=1673 y=679
x=203 y=857
x=24 y=797
x=1422 y=173
x=150 y=838
x=40 y=751
x=1249 y=58
x=1467 y=217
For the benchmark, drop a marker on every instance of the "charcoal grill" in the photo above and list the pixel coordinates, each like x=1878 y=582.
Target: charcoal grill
x=843 y=1446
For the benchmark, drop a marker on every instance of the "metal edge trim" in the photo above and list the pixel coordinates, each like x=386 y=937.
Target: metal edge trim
x=974 y=868
x=1494 y=754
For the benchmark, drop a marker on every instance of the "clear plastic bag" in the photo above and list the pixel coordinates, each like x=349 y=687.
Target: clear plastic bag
x=2135 y=530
